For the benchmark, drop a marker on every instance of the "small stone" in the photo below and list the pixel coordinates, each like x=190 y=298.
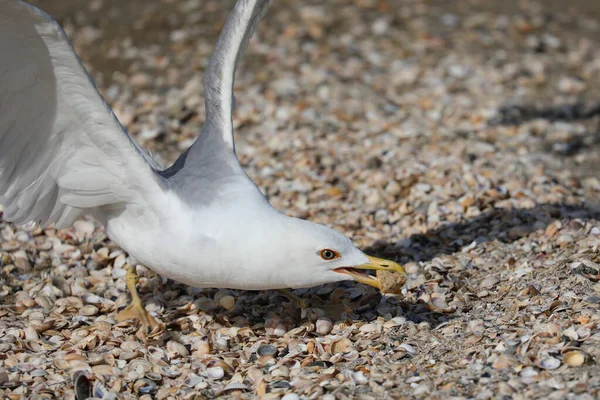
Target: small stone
x=323 y=326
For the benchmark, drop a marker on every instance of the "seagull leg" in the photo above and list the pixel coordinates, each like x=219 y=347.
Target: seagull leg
x=300 y=302
x=136 y=309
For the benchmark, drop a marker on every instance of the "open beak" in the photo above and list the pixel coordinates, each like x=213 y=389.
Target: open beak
x=357 y=272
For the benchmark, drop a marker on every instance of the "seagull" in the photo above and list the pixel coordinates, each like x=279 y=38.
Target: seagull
x=202 y=221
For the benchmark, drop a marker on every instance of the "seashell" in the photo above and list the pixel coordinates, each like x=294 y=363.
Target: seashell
x=574 y=358
x=528 y=372
x=351 y=355
x=99 y=391
x=61 y=284
x=236 y=386
x=340 y=346
x=83 y=227
x=279 y=370
x=438 y=301
x=92 y=298
x=131 y=345
x=34 y=345
x=118 y=273
x=368 y=328
x=109 y=359
x=409 y=348
x=144 y=386
x=489 y=282
x=266 y=350
x=115 y=253
x=193 y=380
x=553 y=328
x=103 y=253
x=323 y=326
x=275 y=327
x=31 y=333
x=390 y=282
x=43 y=302
x=396 y=321
x=360 y=378
x=549 y=363
x=103 y=369
x=571 y=333
x=25 y=367
x=153 y=376
x=221 y=343
x=120 y=262
x=70 y=302
x=215 y=372
x=94 y=358
x=22 y=262
x=169 y=372
x=75 y=357
x=176 y=349
x=45 y=326
x=207 y=305
x=227 y=302
x=61 y=364
x=296 y=331
x=9 y=339
x=129 y=355
x=282 y=384
x=584 y=332
x=503 y=361
x=138 y=368
x=38 y=372
x=81 y=384
x=157 y=353
x=202 y=347
x=89 y=310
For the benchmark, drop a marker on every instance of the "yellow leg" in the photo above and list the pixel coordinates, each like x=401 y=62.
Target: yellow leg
x=136 y=309
x=300 y=302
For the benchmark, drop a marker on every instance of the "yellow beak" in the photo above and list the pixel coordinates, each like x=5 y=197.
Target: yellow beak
x=373 y=264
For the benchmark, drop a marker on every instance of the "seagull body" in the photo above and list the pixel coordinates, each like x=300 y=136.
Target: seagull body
x=201 y=221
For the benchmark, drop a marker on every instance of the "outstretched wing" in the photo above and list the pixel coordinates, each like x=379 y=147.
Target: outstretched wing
x=220 y=74
x=62 y=150
x=211 y=159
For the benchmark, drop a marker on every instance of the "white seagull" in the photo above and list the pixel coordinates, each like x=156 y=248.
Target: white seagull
x=202 y=221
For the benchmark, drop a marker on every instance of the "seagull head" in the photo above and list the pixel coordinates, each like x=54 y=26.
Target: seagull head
x=317 y=254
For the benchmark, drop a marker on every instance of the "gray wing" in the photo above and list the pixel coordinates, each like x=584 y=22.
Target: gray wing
x=220 y=74
x=62 y=150
x=211 y=159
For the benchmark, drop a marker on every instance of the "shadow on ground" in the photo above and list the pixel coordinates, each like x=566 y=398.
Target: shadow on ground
x=504 y=225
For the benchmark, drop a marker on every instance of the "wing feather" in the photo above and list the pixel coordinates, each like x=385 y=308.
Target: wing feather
x=220 y=74
x=62 y=151
x=212 y=156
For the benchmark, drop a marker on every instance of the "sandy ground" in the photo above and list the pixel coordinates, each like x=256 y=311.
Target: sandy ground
x=459 y=138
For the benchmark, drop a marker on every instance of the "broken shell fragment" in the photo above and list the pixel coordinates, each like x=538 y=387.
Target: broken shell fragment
x=390 y=282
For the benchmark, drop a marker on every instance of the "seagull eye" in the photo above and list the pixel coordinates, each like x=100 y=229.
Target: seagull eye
x=328 y=254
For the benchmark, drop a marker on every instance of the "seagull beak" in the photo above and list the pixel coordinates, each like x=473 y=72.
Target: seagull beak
x=374 y=264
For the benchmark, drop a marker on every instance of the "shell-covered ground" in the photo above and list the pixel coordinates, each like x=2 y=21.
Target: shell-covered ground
x=459 y=138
